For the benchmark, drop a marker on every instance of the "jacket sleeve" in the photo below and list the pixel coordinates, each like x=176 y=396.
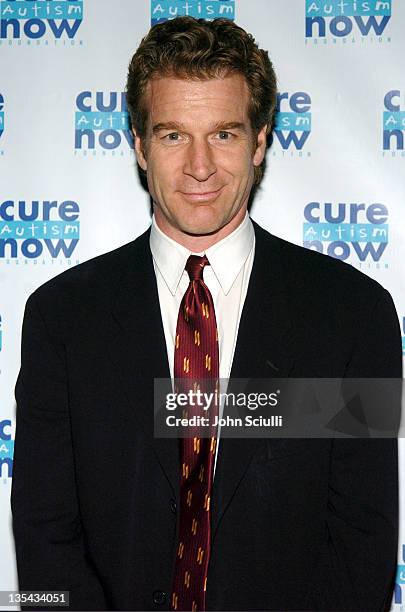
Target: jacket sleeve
x=357 y=563
x=49 y=541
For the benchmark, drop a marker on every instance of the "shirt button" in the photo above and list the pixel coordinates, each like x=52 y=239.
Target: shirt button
x=173 y=506
x=159 y=597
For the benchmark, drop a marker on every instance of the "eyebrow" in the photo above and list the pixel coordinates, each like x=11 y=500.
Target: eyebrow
x=221 y=125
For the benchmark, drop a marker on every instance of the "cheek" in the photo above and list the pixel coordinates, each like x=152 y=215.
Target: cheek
x=237 y=162
x=161 y=174
x=165 y=169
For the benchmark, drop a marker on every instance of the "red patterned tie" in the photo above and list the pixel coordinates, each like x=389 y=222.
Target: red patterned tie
x=196 y=362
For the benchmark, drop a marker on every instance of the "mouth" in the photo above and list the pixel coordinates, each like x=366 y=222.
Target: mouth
x=207 y=196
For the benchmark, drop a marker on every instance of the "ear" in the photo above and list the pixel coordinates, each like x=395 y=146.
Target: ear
x=260 y=150
x=139 y=151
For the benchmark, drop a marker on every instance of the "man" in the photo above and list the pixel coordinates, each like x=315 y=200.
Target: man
x=284 y=524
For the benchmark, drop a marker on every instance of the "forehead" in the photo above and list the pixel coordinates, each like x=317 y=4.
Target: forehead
x=172 y=98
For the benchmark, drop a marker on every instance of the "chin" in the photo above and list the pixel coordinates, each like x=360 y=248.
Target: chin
x=199 y=229
x=201 y=222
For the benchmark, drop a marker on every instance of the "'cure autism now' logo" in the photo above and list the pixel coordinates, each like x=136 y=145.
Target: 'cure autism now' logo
x=102 y=122
x=206 y=9
x=1 y=115
x=348 y=231
x=393 y=121
x=343 y=18
x=6 y=448
x=34 y=19
x=33 y=229
x=293 y=121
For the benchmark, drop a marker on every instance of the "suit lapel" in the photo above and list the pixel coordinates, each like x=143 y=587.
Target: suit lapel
x=262 y=351
x=138 y=349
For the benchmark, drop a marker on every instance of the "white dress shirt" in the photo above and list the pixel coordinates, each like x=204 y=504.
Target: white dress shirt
x=227 y=278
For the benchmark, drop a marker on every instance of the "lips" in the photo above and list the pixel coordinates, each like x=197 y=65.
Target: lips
x=199 y=196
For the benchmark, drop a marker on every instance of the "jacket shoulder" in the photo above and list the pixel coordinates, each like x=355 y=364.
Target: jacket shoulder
x=318 y=272
x=98 y=275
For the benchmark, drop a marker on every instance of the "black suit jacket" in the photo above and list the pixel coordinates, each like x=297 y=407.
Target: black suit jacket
x=296 y=524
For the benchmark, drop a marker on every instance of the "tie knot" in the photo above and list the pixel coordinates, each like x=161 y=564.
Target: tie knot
x=195 y=266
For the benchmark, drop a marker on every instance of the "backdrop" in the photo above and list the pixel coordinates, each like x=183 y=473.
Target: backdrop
x=69 y=189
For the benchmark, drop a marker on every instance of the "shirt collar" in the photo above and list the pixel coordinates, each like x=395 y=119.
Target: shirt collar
x=226 y=256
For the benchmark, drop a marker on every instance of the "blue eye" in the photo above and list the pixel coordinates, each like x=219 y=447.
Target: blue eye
x=224 y=135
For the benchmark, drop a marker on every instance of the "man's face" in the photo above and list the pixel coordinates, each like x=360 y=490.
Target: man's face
x=199 y=153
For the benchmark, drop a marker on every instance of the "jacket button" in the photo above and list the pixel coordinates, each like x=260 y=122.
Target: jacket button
x=159 y=597
x=173 y=506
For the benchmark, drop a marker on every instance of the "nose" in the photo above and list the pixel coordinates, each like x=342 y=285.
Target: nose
x=199 y=162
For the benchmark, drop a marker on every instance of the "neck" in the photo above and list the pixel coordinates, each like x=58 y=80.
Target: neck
x=199 y=243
